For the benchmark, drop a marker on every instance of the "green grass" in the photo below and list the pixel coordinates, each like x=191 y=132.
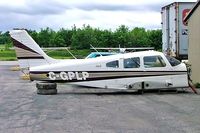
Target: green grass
x=63 y=54
x=9 y=55
x=2 y=47
x=8 y=59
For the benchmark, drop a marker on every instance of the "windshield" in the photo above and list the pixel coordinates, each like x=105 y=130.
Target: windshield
x=173 y=61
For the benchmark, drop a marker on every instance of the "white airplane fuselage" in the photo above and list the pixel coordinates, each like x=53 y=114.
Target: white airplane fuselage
x=138 y=70
x=97 y=72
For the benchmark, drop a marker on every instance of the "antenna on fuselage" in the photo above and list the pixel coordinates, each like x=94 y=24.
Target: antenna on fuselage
x=70 y=53
x=95 y=50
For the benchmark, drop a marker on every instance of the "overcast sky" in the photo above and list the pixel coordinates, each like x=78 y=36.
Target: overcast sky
x=104 y=14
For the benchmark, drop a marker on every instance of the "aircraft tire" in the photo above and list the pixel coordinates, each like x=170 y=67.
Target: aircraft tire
x=45 y=88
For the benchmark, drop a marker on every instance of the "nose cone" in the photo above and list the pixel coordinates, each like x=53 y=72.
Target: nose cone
x=183 y=67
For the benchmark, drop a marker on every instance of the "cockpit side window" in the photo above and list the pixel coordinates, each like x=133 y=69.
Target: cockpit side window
x=132 y=62
x=154 y=61
x=113 y=64
x=173 y=61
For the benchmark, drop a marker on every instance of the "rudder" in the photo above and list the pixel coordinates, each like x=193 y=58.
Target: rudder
x=28 y=52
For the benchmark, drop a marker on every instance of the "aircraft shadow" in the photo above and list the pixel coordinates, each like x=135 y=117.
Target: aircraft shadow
x=124 y=92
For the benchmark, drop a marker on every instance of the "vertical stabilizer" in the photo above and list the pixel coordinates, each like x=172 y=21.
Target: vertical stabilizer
x=28 y=52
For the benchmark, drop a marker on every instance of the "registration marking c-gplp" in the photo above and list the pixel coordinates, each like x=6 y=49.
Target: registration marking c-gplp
x=68 y=75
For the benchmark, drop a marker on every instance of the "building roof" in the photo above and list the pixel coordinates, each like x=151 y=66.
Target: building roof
x=192 y=11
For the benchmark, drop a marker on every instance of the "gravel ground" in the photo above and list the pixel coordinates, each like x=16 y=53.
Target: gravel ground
x=83 y=110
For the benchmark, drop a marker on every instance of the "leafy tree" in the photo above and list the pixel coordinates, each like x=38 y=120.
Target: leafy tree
x=46 y=36
x=66 y=36
x=58 y=41
x=122 y=36
x=105 y=38
x=81 y=38
x=155 y=39
x=139 y=37
x=5 y=38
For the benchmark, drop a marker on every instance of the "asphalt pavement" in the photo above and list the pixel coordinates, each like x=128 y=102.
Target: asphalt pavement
x=86 y=110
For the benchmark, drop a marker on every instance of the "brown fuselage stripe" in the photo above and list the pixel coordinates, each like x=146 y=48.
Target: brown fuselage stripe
x=100 y=78
x=110 y=75
x=43 y=72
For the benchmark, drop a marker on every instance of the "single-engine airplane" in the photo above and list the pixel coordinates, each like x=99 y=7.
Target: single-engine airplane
x=137 y=70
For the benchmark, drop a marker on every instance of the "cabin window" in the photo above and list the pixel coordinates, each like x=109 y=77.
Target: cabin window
x=114 y=64
x=154 y=61
x=173 y=61
x=132 y=62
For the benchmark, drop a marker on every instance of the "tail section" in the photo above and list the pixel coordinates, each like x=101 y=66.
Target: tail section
x=28 y=52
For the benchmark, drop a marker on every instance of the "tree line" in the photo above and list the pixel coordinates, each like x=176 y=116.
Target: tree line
x=82 y=38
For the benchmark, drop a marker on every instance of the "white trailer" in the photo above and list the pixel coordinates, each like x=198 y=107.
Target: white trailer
x=174 y=30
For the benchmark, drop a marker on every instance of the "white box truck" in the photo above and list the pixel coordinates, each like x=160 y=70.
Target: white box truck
x=174 y=30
